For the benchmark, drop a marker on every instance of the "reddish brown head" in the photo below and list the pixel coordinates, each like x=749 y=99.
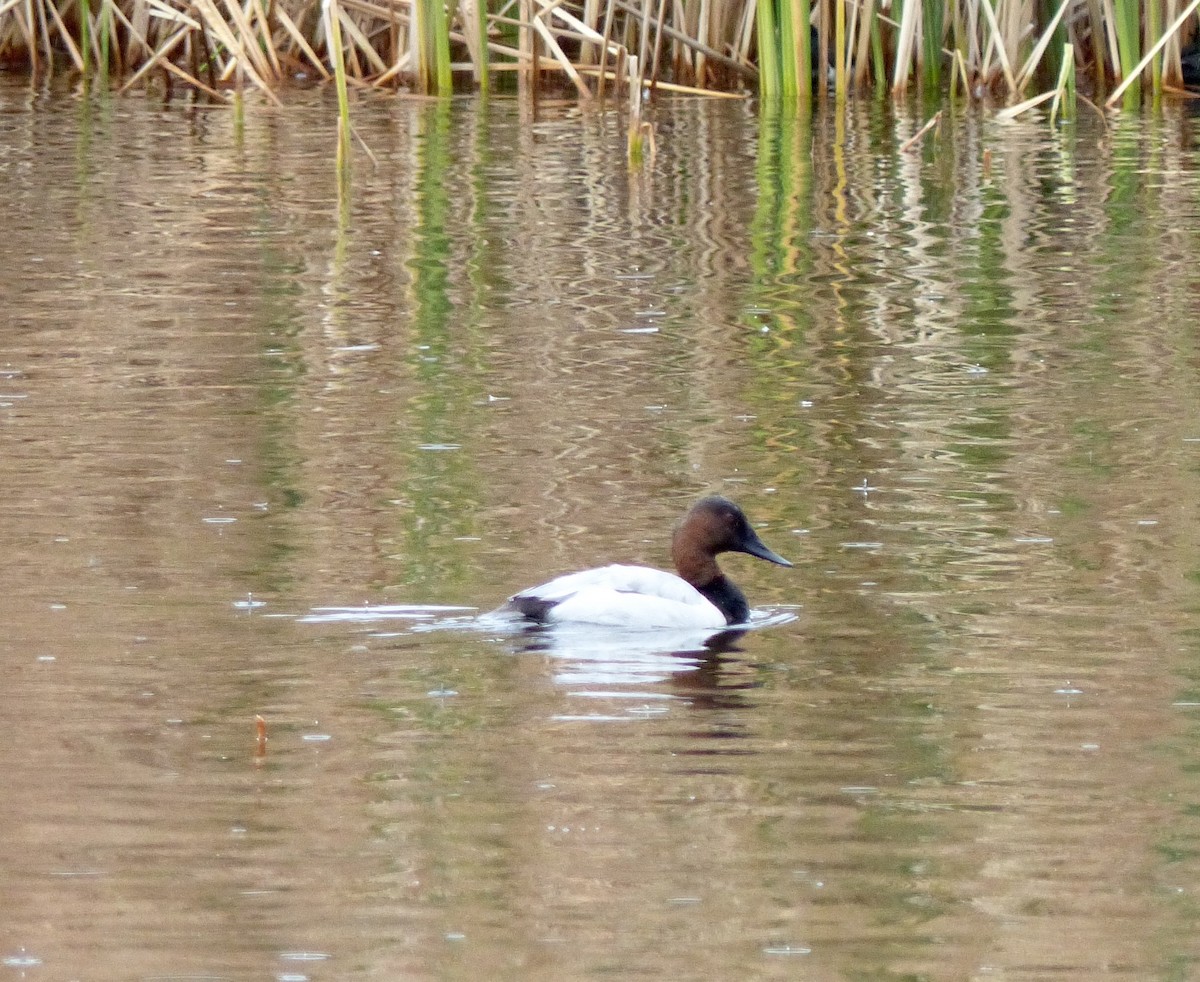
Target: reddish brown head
x=714 y=525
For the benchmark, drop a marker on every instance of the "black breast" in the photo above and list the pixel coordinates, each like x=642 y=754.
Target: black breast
x=724 y=594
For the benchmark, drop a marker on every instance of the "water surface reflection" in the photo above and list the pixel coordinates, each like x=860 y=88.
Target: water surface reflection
x=965 y=390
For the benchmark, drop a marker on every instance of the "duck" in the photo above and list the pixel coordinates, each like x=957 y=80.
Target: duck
x=1189 y=64
x=639 y=597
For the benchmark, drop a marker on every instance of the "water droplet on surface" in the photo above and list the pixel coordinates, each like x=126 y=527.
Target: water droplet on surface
x=303 y=956
x=787 y=949
x=648 y=711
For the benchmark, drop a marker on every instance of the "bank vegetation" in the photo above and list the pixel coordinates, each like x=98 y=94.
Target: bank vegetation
x=1015 y=52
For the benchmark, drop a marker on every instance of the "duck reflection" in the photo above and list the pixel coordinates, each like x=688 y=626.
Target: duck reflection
x=700 y=665
x=700 y=668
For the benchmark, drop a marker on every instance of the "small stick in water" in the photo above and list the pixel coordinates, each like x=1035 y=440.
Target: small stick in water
x=937 y=118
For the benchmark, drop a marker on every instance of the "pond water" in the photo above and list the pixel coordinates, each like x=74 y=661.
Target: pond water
x=261 y=442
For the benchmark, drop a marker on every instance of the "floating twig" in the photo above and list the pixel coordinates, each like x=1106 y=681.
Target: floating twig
x=915 y=138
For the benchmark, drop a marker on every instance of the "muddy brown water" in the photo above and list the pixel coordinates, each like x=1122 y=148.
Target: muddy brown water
x=257 y=444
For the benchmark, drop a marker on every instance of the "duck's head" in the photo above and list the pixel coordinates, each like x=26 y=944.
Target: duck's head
x=714 y=525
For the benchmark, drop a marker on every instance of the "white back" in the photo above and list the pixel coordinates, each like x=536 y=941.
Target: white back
x=627 y=596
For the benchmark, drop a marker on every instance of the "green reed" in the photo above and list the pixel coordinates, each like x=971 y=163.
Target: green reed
x=433 y=47
x=1064 y=90
x=770 y=65
x=333 y=32
x=1127 y=22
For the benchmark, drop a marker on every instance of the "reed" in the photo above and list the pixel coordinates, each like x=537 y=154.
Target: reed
x=105 y=24
x=770 y=65
x=333 y=33
x=1000 y=50
x=1126 y=23
x=433 y=47
x=85 y=46
x=1064 y=90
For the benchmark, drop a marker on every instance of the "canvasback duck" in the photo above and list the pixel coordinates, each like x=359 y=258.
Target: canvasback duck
x=701 y=596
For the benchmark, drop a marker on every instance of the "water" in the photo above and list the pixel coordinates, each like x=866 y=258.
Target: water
x=260 y=448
